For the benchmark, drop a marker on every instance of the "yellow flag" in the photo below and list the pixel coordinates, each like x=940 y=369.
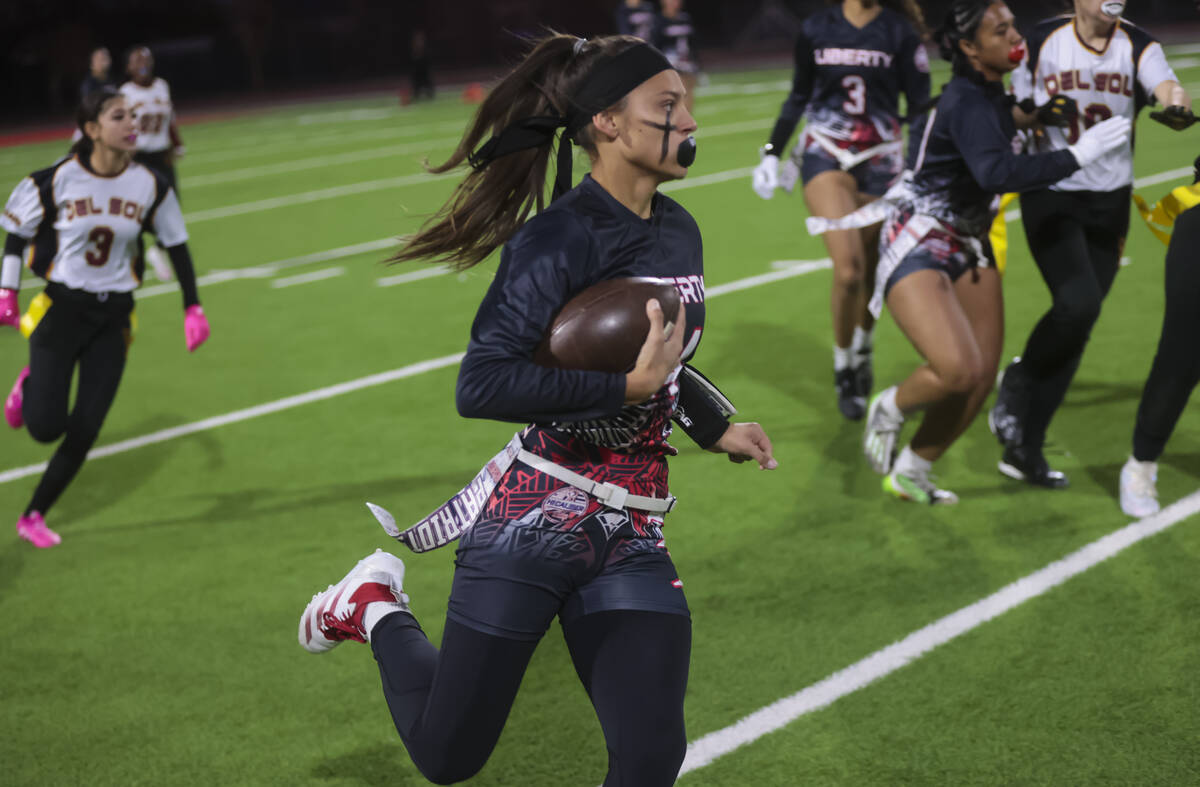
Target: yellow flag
x=998 y=235
x=1161 y=217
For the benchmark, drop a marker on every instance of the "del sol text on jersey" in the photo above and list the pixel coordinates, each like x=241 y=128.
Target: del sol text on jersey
x=78 y=208
x=1117 y=84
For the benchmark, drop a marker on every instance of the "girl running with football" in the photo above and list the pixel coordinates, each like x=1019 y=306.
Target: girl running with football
x=853 y=60
x=936 y=271
x=567 y=520
x=81 y=219
x=1076 y=227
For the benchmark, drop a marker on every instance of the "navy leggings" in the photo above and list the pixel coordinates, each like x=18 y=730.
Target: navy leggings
x=450 y=705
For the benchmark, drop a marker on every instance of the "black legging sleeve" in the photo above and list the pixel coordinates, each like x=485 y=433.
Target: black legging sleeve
x=450 y=705
x=185 y=273
x=1176 y=368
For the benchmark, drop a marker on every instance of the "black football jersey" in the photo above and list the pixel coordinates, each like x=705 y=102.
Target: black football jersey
x=848 y=80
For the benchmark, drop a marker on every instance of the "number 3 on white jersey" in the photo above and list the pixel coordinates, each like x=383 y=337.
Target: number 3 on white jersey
x=856 y=89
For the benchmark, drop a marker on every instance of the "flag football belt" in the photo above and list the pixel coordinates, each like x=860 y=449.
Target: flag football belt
x=611 y=495
x=460 y=513
x=848 y=160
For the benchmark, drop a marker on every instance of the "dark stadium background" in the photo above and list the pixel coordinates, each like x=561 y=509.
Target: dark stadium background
x=213 y=51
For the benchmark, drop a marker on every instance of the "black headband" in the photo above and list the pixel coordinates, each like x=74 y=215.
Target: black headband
x=611 y=80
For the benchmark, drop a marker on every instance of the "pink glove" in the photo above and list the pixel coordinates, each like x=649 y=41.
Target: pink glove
x=195 y=327
x=10 y=312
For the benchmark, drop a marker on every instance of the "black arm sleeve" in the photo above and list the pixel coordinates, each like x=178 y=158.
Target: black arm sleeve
x=14 y=244
x=916 y=84
x=793 y=106
x=498 y=379
x=987 y=151
x=185 y=273
x=701 y=411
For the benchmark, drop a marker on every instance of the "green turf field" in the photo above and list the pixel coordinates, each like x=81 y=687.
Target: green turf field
x=157 y=644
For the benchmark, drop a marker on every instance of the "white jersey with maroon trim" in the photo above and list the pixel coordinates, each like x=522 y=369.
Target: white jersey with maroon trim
x=84 y=227
x=1116 y=81
x=154 y=113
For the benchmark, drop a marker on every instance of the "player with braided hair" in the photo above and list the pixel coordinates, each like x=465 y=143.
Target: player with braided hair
x=937 y=273
x=853 y=60
x=1076 y=227
x=566 y=521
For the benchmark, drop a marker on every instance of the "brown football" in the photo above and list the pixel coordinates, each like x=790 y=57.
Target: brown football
x=604 y=327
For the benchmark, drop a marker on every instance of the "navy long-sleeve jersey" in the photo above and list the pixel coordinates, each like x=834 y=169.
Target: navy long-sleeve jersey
x=847 y=80
x=969 y=153
x=584 y=237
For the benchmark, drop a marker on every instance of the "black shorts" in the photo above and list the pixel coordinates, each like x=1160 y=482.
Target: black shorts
x=159 y=160
x=874 y=176
x=565 y=556
x=939 y=251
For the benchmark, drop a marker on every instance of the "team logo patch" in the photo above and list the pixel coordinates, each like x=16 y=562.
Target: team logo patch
x=677 y=583
x=564 y=504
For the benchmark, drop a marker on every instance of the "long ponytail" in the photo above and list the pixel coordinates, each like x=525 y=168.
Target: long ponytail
x=492 y=202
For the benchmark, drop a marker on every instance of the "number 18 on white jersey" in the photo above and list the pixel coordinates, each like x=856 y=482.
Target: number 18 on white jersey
x=1115 y=81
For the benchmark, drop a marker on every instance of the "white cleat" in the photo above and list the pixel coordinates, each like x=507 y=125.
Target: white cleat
x=879 y=437
x=1139 y=492
x=336 y=614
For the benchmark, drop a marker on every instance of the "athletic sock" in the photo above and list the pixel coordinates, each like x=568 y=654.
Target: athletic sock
x=862 y=341
x=909 y=464
x=887 y=402
x=375 y=612
x=841 y=358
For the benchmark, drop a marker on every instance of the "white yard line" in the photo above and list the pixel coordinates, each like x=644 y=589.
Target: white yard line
x=417 y=275
x=364 y=187
x=887 y=660
x=353 y=385
x=314 y=162
x=305 y=278
x=269 y=269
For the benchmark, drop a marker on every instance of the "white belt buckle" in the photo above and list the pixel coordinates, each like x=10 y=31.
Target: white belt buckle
x=671 y=500
x=610 y=495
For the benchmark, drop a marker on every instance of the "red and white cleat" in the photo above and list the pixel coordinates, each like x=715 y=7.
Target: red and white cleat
x=339 y=613
x=33 y=529
x=16 y=397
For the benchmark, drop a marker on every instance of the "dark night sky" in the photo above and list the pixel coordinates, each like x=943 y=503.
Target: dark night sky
x=213 y=49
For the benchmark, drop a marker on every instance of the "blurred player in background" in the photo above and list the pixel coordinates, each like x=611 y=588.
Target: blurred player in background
x=158 y=142
x=1076 y=228
x=674 y=39
x=98 y=76
x=421 y=75
x=637 y=18
x=81 y=219
x=546 y=537
x=937 y=273
x=852 y=62
x=1176 y=369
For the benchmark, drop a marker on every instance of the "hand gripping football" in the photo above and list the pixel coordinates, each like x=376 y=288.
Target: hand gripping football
x=604 y=327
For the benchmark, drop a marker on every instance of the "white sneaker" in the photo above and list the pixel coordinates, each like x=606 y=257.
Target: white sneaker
x=879 y=437
x=159 y=262
x=337 y=614
x=1139 y=494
